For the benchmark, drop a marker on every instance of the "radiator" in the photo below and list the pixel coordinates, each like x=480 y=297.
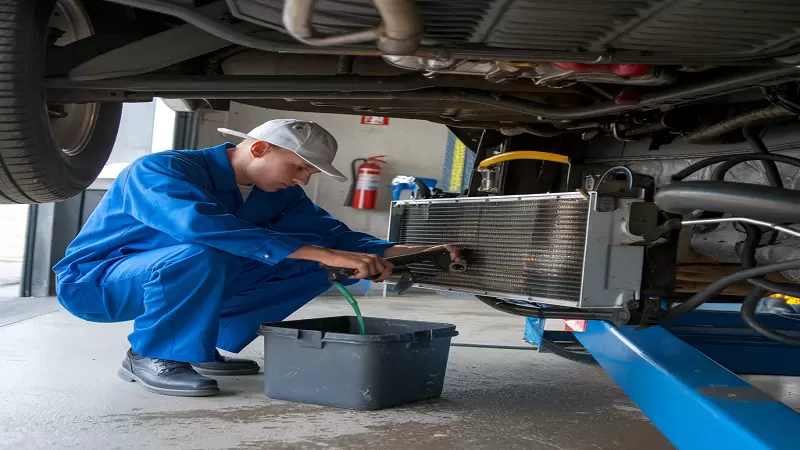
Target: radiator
x=560 y=249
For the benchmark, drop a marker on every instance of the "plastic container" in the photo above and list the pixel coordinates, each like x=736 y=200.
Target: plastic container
x=327 y=362
x=401 y=183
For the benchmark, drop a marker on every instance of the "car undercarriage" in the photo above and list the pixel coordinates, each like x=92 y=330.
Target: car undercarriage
x=548 y=68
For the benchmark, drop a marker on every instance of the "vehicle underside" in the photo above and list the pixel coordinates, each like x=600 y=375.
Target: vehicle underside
x=548 y=68
x=652 y=87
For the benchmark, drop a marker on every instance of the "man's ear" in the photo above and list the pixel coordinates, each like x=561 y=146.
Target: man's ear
x=260 y=148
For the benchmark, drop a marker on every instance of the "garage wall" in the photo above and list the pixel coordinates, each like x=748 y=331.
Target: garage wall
x=414 y=147
x=135 y=133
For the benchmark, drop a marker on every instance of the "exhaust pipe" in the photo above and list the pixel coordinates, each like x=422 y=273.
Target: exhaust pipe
x=402 y=27
x=399 y=33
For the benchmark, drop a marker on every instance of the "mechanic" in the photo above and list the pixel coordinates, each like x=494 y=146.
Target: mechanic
x=200 y=247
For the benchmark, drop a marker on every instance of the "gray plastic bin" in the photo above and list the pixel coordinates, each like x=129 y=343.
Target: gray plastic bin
x=327 y=362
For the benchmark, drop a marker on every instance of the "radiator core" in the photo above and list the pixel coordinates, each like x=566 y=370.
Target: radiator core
x=530 y=248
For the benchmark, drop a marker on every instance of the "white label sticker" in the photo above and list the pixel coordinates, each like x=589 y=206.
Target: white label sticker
x=368 y=182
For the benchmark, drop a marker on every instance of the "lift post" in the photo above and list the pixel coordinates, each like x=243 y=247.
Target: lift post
x=694 y=401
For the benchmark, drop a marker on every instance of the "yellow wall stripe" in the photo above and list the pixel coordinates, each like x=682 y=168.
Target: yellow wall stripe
x=457 y=172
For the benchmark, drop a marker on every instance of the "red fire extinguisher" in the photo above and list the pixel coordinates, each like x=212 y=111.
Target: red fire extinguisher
x=365 y=185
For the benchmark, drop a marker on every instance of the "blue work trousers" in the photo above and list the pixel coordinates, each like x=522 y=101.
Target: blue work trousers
x=187 y=299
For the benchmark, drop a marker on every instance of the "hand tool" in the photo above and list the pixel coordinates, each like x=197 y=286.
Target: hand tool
x=438 y=256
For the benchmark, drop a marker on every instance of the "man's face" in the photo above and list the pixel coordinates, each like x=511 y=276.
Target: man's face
x=273 y=168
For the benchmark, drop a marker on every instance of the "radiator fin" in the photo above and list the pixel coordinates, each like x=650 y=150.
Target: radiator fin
x=531 y=247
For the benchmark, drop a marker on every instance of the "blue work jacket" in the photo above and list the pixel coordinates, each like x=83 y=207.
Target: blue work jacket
x=191 y=197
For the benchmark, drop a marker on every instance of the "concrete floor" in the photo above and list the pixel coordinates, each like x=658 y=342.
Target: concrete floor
x=59 y=390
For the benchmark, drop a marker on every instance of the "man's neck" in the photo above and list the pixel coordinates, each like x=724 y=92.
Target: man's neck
x=238 y=163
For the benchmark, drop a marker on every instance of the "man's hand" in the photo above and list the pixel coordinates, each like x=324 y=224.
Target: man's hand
x=455 y=252
x=365 y=265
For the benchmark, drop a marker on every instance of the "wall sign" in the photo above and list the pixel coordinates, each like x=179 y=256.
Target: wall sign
x=374 y=120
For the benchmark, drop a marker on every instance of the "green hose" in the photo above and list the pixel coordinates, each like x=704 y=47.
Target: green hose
x=350 y=299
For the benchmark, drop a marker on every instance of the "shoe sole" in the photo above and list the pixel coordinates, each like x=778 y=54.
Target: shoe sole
x=226 y=372
x=129 y=376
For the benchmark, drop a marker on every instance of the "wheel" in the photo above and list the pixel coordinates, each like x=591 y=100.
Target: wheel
x=48 y=152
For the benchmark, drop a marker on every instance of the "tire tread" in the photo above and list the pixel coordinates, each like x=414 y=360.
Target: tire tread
x=32 y=168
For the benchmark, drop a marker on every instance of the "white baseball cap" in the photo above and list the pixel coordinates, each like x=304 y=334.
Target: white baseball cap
x=308 y=139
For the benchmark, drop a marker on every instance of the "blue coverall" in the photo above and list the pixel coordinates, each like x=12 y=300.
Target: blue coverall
x=173 y=247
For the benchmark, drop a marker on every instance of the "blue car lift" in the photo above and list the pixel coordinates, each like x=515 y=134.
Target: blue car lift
x=681 y=374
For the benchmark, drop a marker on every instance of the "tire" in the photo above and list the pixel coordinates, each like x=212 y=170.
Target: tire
x=33 y=166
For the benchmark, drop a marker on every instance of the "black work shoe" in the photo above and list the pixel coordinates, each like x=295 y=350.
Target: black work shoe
x=166 y=377
x=225 y=365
